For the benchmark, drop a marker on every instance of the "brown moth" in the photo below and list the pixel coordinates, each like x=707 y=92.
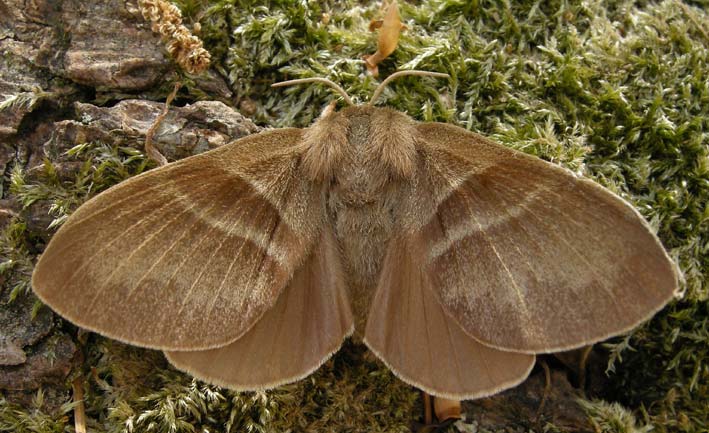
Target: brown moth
x=454 y=258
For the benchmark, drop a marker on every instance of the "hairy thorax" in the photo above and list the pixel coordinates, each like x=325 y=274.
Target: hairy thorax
x=365 y=156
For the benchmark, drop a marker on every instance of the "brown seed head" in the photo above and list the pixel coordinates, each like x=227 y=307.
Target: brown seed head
x=183 y=46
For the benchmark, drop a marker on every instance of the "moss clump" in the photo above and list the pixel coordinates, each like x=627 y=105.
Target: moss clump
x=132 y=389
x=64 y=188
x=17 y=260
x=33 y=419
x=612 y=418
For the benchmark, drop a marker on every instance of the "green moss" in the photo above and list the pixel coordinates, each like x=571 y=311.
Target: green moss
x=33 y=419
x=16 y=260
x=612 y=418
x=102 y=166
x=667 y=373
x=132 y=389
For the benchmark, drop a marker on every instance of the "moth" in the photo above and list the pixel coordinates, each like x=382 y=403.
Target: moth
x=453 y=258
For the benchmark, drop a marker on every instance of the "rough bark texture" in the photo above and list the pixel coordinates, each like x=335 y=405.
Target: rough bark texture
x=18 y=329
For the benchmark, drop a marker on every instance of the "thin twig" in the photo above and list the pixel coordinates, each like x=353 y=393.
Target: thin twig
x=150 y=149
x=547 y=389
x=582 y=367
x=79 y=410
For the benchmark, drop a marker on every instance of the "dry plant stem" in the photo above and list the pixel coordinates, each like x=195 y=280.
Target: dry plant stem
x=582 y=367
x=427 y=413
x=79 y=410
x=183 y=46
x=547 y=388
x=389 y=30
x=150 y=149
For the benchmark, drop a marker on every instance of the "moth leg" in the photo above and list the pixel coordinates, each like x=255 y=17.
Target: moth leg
x=576 y=361
x=582 y=366
x=427 y=409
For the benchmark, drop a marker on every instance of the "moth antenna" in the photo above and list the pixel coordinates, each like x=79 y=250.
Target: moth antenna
x=328 y=110
x=396 y=75
x=339 y=89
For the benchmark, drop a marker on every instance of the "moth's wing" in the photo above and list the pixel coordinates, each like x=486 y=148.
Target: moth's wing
x=187 y=256
x=528 y=257
x=408 y=329
x=291 y=340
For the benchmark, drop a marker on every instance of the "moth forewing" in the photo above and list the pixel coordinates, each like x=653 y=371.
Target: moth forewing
x=190 y=255
x=528 y=257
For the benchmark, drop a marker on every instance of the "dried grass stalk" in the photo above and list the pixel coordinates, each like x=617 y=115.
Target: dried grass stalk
x=183 y=46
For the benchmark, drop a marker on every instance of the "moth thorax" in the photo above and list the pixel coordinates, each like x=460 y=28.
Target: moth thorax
x=374 y=141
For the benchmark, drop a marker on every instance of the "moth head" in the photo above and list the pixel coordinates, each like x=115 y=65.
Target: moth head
x=392 y=141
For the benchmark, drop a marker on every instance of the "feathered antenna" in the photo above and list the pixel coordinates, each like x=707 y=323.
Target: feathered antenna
x=376 y=93
x=396 y=75
x=339 y=89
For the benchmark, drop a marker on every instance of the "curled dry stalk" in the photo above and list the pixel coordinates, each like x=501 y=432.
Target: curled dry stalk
x=150 y=149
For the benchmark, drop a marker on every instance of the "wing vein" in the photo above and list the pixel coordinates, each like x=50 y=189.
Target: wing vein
x=113 y=217
x=428 y=331
x=458 y=368
x=565 y=241
x=231 y=266
x=209 y=261
x=108 y=244
x=167 y=250
x=105 y=281
x=484 y=234
x=133 y=197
